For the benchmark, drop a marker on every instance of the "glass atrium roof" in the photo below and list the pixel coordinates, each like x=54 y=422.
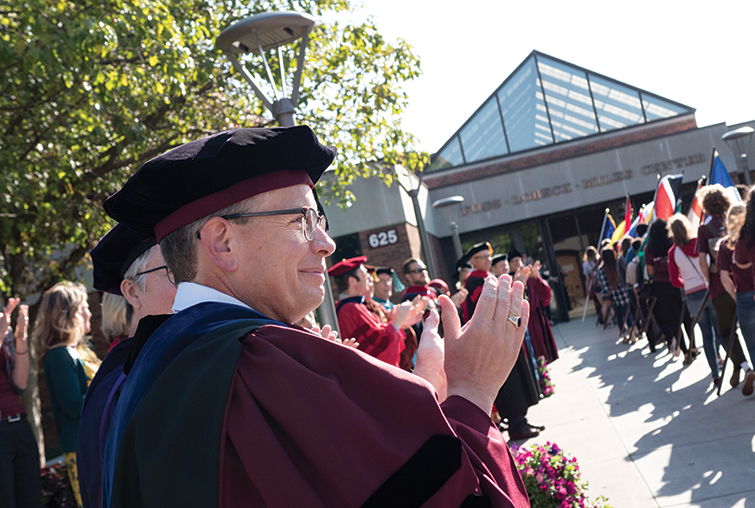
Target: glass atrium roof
x=547 y=101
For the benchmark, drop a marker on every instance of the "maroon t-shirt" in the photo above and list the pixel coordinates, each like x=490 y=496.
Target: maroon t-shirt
x=742 y=277
x=704 y=234
x=659 y=265
x=744 y=252
x=9 y=401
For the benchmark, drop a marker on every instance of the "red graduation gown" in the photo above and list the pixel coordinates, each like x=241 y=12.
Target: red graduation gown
x=381 y=340
x=541 y=335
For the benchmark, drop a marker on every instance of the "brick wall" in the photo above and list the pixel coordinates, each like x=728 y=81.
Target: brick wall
x=555 y=153
x=393 y=255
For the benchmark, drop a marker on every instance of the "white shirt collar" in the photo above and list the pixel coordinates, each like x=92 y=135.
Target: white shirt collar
x=191 y=293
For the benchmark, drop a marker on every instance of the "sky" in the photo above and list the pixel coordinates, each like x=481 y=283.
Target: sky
x=697 y=53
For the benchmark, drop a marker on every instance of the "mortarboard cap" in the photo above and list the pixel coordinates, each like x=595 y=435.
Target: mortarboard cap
x=201 y=177
x=499 y=258
x=513 y=253
x=384 y=269
x=114 y=254
x=479 y=247
x=345 y=265
x=463 y=262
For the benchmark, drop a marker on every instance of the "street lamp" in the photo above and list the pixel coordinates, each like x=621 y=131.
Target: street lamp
x=261 y=33
x=424 y=241
x=739 y=141
x=449 y=205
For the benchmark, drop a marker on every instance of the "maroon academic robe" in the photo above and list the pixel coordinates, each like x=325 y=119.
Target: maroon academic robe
x=381 y=340
x=355 y=423
x=541 y=335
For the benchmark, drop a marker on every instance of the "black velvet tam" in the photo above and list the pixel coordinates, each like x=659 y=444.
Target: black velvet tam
x=478 y=247
x=513 y=254
x=499 y=258
x=201 y=177
x=113 y=255
x=463 y=262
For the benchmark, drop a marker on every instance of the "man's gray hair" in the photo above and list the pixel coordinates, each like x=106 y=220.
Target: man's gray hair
x=139 y=265
x=180 y=246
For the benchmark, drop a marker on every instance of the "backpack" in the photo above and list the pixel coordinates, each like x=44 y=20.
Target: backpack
x=713 y=246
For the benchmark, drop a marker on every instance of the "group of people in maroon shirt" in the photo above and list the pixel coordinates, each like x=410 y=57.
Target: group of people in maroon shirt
x=702 y=277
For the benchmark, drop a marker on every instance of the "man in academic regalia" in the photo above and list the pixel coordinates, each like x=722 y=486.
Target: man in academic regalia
x=520 y=391
x=499 y=265
x=384 y=286
x=539 y=296
x=211 y=413
x=132 y=266
x=384 y=341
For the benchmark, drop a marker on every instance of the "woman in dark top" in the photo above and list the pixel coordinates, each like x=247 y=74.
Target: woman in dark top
x=668 y=306
x=735 y=280
x=614 y=291
x=744 y=255
x=19 y=457
x=69 y=364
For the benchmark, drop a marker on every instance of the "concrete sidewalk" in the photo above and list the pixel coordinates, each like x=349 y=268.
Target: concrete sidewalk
x=646 y=431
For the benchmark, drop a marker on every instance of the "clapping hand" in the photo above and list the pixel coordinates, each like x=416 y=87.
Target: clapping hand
x=479 y=356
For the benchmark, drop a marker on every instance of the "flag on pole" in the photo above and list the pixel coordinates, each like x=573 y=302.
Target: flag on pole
x=618 y=234
x=646 y=213
x=669 y=189
x=719 y=174
x=609 y=227
x=623 y=228
x=633 y=227
x=695 y=214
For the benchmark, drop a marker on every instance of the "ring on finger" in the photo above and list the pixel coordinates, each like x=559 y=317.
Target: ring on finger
x=514 y=321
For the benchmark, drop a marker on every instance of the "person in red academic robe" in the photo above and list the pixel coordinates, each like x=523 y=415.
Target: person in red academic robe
x=383 y=340
x=265 y=413
x=541 y=335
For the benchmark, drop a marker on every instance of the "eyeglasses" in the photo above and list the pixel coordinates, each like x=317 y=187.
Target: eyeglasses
x=309 y=224
x=417 y=270
x=163 y=267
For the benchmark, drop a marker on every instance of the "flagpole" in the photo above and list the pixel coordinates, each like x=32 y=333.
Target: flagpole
x=602 y=228
x=712 y=163
x=655 y=197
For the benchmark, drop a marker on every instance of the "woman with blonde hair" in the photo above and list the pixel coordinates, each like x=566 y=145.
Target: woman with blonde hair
x=685 y=272
x=69 y=364
x=116 y=318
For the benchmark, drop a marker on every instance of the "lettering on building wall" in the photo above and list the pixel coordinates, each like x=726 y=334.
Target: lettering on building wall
x=616 y=176
x=485 y=206
x=587 y=183
x=547 y=192
x=681 y=162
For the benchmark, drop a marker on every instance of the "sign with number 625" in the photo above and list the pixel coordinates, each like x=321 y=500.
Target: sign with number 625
x=382 y=238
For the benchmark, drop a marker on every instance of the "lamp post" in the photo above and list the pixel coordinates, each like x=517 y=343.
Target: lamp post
x=739 y=141
x=424 y=241
x=259 y=34
x=449 y=205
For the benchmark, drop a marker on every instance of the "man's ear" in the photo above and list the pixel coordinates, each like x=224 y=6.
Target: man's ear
x=129 y=291
x=354 y=279
x=216 y=237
